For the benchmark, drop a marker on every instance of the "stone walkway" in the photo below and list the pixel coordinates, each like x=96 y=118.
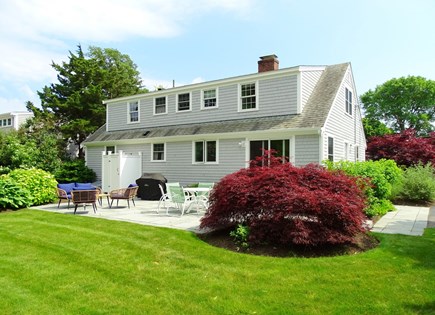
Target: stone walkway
x=405 y=220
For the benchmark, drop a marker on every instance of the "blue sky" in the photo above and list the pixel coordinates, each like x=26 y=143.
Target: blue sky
x=191 y=41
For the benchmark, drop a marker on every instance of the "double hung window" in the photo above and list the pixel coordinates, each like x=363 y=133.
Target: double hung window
x=348 y=101
x=160 y=105
x=158 y=152
x=133 y=111
x=331 y=149
x=183 y=102
x=209 y=98
x=248 y=96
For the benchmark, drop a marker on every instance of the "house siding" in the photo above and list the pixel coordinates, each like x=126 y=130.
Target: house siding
x=94 y=161
x=307 y=149
x=345 y=128
x=275 y=96
x=178 y=166
x=17 y=119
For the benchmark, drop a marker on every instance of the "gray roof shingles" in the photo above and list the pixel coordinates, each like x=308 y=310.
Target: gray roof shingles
x=313 y=115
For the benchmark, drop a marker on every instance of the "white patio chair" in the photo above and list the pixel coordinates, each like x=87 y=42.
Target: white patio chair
x=179 y=197
x=163 y=199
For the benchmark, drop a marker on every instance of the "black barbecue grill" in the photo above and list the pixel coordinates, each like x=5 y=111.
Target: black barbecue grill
x=149 y=186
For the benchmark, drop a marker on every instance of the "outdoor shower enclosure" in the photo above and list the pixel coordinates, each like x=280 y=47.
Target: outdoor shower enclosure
x=120 y=170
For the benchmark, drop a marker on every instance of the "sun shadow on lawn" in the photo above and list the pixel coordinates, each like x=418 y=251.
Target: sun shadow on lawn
x=417 y=248
x=427 y=308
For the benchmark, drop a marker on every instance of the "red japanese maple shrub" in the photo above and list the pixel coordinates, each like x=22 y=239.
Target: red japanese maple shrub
x=284 y=204
x=405 y=148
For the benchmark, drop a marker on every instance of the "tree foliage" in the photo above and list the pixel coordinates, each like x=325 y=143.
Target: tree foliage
x=374 y=128
x=383 y=175
x=405 y=148
x=403 y=103
x=284 y=204
x=17 y=150
x=84 y=81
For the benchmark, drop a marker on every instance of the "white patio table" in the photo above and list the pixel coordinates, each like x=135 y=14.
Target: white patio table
x=193 y=191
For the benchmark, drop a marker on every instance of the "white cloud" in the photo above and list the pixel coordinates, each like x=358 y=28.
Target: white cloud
x=105 y=20
x=25 y=62
x=198 y=80
x=35 y=32
x=11 y=105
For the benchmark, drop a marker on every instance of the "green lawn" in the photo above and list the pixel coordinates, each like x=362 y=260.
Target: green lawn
x=63 y=264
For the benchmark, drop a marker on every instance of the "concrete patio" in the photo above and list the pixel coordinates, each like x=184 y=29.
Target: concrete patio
x=405 y=220
x=145 y=212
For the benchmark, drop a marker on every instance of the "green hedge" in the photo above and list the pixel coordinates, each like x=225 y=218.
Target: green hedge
x=75 y=171
x=22 y=188
x=383 y=175
x=12 y=195
x=418 y=184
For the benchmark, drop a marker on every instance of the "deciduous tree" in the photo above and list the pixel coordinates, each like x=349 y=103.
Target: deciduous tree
x=403 y=103
x=405 y=148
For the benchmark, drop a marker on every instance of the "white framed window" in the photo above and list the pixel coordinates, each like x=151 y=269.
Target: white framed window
x=248 y=93
x=209 y=98
x=6 y=122
x=205 y=152
x=348 y=101
x=158 y=152
x=160 y=105
x=280 y=146
x=183 y=102
x=331 y=149
x=111 y=149
x=356 y=153
x=346 y=151
x=133 y=112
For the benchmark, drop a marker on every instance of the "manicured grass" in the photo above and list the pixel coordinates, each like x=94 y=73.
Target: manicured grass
x=62 y=264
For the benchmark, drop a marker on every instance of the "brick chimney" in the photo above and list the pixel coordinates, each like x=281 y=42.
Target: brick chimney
x=268 y=63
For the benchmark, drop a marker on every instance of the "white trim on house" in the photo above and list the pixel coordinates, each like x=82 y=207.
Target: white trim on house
x=154 y=105
x=293 y=149
x=221 y=136
x=239 y=97
x=299 y=92
x=203 y=99
x=204 y=162
x=129 y=121
x=152 y=152
x=176 y=102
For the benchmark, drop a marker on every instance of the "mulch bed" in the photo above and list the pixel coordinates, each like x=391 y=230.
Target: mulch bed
x=222 y=239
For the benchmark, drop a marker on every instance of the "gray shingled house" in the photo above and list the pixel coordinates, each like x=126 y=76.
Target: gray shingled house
x=201 y=132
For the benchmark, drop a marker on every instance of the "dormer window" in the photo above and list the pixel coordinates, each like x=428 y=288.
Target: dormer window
x=183 y=102
x=133 y=112
x=348 y=101
x=248 y=96
x=209 y=98
x=160 y=105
